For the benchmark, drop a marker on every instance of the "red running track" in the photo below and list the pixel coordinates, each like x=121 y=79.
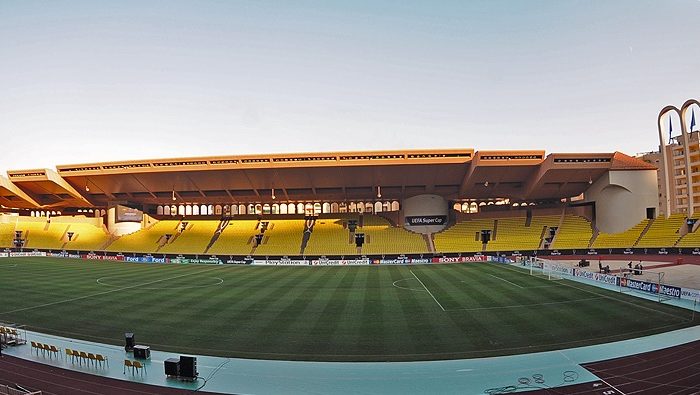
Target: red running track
x=52 y=380
x=670 y=371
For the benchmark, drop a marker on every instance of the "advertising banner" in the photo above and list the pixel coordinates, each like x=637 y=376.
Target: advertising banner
x=595 y=276
x=460 y=259
x=690 y=294
x=27 y=254
x=339 y=262
x=426 y=220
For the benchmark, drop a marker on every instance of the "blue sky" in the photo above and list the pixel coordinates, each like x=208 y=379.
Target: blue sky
x=97 y=81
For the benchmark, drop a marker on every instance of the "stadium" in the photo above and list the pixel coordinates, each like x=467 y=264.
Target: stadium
x=309 y=263
x=333 y=197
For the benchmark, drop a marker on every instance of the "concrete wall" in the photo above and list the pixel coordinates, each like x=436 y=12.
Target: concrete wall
x=622 y=197
x=425 y=206
x=121 y=228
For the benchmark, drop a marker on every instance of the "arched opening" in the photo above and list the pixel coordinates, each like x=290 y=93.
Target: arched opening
x=395 y=206
x=343 y=207
x=352 y=207
x=275 y=208
x=227 y=210
x=378 y=207
x=31 y=214
x=309 y=209
x=181 y=210
x=266 y=209
x=291 y=208
x=166 y=210
x=173 y=210
x=326 y=208
x=203 y=210
x=334 y=208
x=283 y=208
x=159 y=210
x=258 y=209
x=210 y=209
x=218 y=210
x=188 y=210
x=457 y=207
x=251 y=209
x=317 y=208
x=195 y=209
x=242 y=209
x=300 y=208
x=368 y=207
x=234 y=209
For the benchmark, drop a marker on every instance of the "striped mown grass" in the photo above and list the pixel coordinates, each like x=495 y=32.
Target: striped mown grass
x=387 y=313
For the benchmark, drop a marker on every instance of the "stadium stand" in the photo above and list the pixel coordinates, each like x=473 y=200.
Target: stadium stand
x=192 y=240
x=381 y=237
x=663 y=232
x=691 y=239
x=41 y=233
x=514 y=234
x=6 y=234
x=282 y=237
x=463 y=236
x=86 y=237
x=575 y=232
x=146 y=240
x=331 y=234
x=236 y=238
x=624 y=239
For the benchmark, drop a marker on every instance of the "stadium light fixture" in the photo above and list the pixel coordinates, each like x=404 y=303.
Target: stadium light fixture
x=273 y=194
x=379 y=192
x=174 y=198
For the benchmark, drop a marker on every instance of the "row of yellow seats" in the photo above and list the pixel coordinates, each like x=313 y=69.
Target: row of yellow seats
x=330 y=236
x=464 y=236
x=282 y=237
x=236 y=238
x=193 y=240
x=663 y=232
x=624 y=239
x=575 y=232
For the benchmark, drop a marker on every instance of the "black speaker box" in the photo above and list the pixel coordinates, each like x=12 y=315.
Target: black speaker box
x=172 y=367
x=188 y=367
x=130 y=342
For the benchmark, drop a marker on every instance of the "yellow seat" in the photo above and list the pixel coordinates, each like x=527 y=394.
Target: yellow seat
x=54 y=350
x=45 y=348
x=128 y=364
x=69 y=353
x=138 y=366
x=101 y=359
x=83 y=356
x=92 y=358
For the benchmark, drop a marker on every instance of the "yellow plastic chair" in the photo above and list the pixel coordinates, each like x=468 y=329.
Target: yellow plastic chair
x=92 y=358
x=35 y=346
x=55 y=350
x=83 y=356
x=69 y=353
x=102 y=359
x=138 y=366
x=46 y=348
x=128 y=364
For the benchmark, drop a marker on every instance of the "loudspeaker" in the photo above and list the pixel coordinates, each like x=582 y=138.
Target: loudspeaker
x=130 y=342
x=172 y=367
x=359 y=239
x=485 y=236
x=142 y=352
x=188 y=367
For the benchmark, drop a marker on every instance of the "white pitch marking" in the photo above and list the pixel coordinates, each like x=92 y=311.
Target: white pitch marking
x=409 y=289
x=527 y=305
x=503 y=279
x=426 y=288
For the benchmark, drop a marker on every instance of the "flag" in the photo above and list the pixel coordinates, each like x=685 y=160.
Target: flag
x=692 y=119
x=670 y=128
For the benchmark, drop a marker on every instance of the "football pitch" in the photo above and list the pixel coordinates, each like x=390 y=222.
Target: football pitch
x=370 y=313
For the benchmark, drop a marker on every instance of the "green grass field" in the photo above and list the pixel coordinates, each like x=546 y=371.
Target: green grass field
x=387 y=313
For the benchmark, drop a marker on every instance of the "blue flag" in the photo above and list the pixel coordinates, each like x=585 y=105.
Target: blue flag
x=692 y=119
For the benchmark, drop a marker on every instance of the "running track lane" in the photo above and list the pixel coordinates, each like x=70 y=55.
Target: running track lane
x=670 y=371
x=56 y=381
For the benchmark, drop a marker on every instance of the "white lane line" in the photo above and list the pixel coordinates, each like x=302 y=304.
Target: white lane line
x=503 y=279
x=103 y=293
x=426 y=288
